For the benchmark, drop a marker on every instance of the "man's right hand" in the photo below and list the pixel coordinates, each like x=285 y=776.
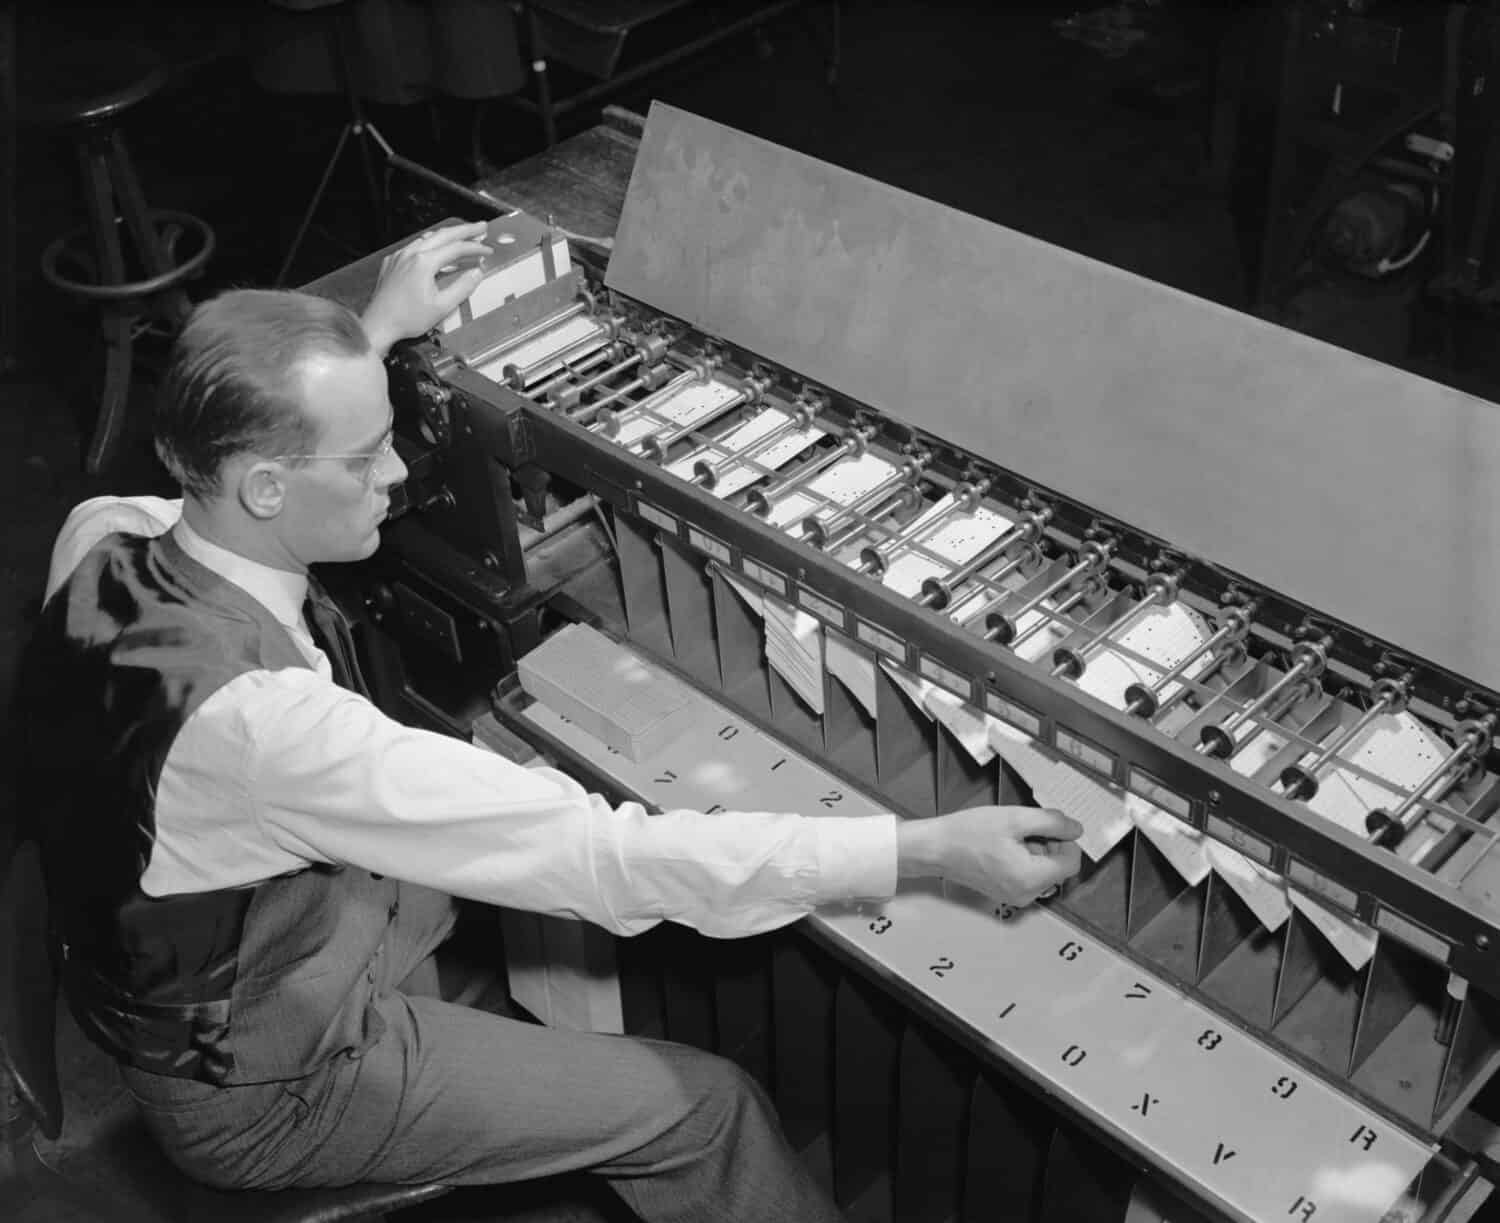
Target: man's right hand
x=1013 y=854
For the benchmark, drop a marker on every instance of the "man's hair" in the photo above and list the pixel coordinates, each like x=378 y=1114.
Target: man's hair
x=234 y=384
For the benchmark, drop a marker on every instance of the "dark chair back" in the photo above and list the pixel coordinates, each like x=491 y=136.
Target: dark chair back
x=28 y=989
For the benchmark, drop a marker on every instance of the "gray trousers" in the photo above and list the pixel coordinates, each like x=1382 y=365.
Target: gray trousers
x=463 y=1097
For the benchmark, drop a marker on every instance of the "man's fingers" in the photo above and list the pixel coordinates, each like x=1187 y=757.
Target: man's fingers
x=1045 y=822
x=451 y=297
x=436 y=257
x=465 y=229
x=1056 y=868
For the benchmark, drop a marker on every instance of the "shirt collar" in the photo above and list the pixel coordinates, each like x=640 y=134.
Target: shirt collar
x=280 y=592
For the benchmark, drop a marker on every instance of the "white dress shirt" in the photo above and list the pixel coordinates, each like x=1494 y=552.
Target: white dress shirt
x=279 y=769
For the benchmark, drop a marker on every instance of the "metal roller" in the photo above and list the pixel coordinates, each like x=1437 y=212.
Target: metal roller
x=803 y=414
x=874 y=558
x=1310 y=659
x=1144 y=700
x=1301 y=780
x=854 y=443
x=517 y=377
x=820 y=531
x=937 y=591
x=1389 y=827
x=1162 y=590
x=656 y=446
x=662 y=384
x=1001 y=626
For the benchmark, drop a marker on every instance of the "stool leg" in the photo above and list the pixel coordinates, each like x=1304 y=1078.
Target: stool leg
x=132 y=201
x=119 y=363
x=118 y=323
x=99 y=198
x=138 y=220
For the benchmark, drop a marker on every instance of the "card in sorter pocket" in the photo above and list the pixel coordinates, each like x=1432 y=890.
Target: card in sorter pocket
x=608 y=691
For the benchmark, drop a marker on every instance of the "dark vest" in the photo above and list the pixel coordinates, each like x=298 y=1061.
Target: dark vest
x=233 y=986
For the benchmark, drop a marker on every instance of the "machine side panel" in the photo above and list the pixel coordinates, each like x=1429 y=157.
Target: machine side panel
x=1361 y=490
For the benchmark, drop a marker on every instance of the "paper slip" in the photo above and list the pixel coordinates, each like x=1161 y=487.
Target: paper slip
x=914 y=686
x=1264 y=892
x=967 y=724
x=1401 y=753
x=793 y=644
x=755 y=600
x=1399 y=749
x=1181 y=845
x=842 y=483
x=963 y=721
x=794 y=648
x=695 y=402
x=579 y=335
x=1255 y=755
x=955 y=542
x=732 y=476
x=1353 y=940
x=1346 y=799
x=1163 y=637
x=1099 y=808
x=852 y=666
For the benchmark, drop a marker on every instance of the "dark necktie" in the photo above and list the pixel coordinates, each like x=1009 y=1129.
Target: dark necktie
x=330 y=631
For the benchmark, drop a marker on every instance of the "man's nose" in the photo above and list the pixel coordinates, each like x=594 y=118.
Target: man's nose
x=393 y=471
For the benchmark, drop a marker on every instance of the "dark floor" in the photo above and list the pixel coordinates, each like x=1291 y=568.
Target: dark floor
x=983 y=106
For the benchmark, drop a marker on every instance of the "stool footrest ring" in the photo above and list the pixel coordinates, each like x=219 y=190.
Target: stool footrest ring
x=130 y=290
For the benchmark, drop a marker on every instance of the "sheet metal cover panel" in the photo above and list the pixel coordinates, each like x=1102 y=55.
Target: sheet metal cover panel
x=1366 y=492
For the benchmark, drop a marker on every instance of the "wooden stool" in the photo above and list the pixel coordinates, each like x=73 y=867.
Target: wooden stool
x=135 y=278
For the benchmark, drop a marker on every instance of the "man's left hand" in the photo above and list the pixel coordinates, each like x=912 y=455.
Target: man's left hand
x=407 y=300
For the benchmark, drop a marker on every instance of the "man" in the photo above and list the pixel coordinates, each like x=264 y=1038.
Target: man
x=248 y=859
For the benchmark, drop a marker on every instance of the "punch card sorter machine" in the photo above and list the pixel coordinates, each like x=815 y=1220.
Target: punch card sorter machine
x=888 y=507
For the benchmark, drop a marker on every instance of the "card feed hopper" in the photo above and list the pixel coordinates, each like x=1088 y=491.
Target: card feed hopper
x=915 y=512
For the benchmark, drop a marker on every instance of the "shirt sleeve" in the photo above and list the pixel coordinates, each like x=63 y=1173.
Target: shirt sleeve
x=334 y=779
x=94 y=519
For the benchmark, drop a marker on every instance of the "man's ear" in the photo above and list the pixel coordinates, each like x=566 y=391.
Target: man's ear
x=262 y=489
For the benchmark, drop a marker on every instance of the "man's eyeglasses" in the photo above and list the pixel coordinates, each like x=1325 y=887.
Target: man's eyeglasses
x=362 y=465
